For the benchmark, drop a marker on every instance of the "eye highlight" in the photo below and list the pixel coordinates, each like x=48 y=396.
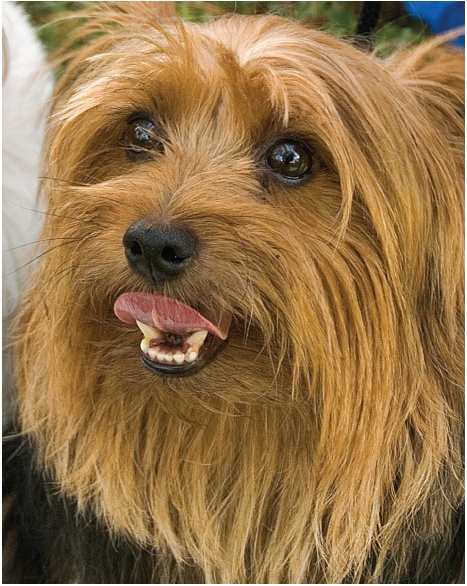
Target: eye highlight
x=142 y=138
x=290 y=159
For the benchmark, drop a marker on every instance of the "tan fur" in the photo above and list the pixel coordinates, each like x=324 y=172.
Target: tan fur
x=329 y=431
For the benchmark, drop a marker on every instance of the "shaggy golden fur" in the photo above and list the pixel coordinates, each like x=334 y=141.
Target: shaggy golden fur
x=324 y=443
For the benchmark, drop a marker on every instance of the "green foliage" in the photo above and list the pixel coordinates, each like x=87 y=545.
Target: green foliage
x=337 y=18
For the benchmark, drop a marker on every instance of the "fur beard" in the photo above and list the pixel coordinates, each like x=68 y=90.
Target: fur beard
x=77 y=546
x=324 y=443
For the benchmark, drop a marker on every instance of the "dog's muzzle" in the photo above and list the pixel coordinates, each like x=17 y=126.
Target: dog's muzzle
x=178 y=340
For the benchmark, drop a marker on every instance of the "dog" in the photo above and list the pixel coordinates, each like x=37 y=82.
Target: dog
x=240 y=358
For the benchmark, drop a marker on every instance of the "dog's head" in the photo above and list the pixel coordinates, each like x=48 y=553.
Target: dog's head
x=280 y=213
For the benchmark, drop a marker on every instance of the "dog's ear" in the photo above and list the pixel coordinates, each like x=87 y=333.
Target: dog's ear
x=436 y=75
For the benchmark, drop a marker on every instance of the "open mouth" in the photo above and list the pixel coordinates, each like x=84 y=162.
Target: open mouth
x=178 y=340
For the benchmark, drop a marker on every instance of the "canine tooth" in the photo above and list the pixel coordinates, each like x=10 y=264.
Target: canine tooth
x=144 y=345
x=149 y=332
x=197 y=338
x=179 y=358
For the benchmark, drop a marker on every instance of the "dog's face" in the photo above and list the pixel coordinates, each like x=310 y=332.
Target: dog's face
x=212 y=180
x=264 y=201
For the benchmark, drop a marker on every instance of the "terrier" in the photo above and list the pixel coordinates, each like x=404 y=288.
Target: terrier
x=240 y=356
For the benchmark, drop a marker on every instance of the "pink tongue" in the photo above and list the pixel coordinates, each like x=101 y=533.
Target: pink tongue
x=166 y=314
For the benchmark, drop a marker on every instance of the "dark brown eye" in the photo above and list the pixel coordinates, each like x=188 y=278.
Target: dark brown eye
x=142 y=139
x=290 y=159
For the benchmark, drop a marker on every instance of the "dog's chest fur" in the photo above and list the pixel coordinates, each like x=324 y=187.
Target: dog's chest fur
x=56 y=544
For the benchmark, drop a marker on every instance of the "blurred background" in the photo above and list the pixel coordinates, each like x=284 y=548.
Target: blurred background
x=401 y=23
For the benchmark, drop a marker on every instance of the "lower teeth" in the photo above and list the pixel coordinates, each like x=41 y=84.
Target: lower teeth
x=165 y=355
x=160 y=355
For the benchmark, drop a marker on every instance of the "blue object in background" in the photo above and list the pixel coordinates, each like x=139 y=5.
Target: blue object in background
x=440 y=16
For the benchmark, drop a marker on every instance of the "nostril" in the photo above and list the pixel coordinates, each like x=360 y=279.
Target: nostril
x=171 y=255
x=134 y=248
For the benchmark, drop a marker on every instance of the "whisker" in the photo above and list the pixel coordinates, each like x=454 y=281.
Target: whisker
x=36 y=258
x=66 y=181
x=57 y=277
x=40 y=240
x=73 y=219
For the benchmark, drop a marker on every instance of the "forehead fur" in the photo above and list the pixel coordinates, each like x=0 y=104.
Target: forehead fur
x=256 y=67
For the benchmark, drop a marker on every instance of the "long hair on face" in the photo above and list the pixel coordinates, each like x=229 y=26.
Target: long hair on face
x=324 y=443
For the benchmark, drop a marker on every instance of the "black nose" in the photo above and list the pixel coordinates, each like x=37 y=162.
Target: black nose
x=158 y=251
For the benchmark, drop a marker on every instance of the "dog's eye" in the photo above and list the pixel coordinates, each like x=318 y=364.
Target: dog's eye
x=142 y=139
x=290 y=159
